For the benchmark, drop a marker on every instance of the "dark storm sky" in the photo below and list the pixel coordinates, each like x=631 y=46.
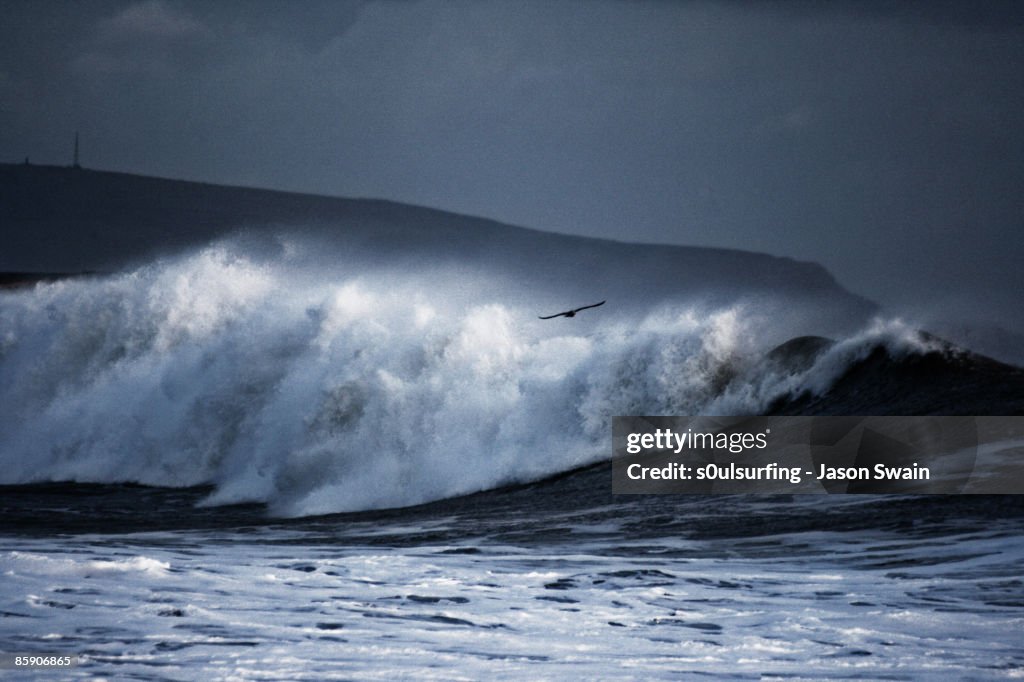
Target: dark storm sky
x=884 y=140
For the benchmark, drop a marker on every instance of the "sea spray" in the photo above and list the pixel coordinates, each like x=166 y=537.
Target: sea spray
x=349 y=390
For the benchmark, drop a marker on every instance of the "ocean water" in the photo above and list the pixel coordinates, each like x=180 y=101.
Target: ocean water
x=548 y=581
x=220 y=466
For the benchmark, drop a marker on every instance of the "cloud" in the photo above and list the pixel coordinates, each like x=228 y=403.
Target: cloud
x=150 y=19
x=148 y=37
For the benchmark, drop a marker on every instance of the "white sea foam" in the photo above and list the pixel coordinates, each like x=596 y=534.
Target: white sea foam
x=320 y=391
x=810 y=605
x=33 y=564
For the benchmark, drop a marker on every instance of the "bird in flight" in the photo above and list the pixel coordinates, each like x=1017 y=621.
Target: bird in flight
x=572 y=313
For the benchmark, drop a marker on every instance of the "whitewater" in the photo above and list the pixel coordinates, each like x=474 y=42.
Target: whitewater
x=237 y=463
x=319 y=391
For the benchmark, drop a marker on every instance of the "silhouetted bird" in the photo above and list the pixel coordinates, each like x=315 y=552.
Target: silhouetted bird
x=572 y=313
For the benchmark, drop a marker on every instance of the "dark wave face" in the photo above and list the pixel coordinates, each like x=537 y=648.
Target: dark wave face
x=929 y=377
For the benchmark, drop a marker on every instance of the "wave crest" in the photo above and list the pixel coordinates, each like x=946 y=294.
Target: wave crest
x=351 y=392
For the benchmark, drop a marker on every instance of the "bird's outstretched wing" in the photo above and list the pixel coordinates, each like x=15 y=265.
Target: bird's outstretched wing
x=571 y=313
x=592 y=305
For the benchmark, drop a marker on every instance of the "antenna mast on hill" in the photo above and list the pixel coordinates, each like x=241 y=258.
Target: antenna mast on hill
x=75 y=164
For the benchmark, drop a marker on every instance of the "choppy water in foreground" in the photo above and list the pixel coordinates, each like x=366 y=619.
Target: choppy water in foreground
x=547 y=581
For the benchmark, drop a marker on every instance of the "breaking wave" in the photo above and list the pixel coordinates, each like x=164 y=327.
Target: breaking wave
x=327 y=392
